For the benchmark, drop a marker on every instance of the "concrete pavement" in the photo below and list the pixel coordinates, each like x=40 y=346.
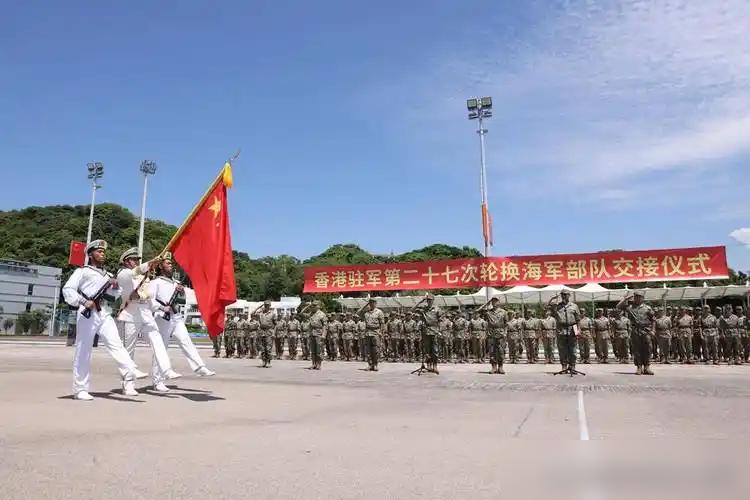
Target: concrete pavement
x=288 y=432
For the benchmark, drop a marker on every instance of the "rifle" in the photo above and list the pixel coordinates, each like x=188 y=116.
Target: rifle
x=96 y=298
x=171 y=303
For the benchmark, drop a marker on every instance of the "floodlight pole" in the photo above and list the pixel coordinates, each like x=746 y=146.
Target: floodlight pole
x=148 y=168
x=96 y=171
x=483 y=179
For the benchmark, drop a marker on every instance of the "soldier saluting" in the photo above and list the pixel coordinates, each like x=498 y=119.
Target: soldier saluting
x=86 y=288
x=642 y=319
x=374 y=326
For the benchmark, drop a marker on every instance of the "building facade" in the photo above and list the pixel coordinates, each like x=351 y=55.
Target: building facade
x=26 y=287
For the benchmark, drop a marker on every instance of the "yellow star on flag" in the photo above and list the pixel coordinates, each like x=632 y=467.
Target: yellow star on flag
x=215 y=206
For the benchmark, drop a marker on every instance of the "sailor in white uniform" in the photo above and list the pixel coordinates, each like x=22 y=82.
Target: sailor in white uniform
x=88 y=288
x=136 y=317
x=165 y=295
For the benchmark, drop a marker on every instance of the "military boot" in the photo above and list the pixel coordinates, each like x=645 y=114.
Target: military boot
x=494 y=368
x=500 y=370
x=639 y=371
x=647 y=370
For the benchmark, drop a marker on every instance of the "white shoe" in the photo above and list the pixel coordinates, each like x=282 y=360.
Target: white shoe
x=171 y=375
x=139 y=374
x=204 y=372
x=83 y=396
x=128 y=388
x=160 y=387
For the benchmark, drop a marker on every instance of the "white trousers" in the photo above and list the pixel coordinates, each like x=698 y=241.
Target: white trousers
x=148 y=330
x=86 y=329
x=176 y=327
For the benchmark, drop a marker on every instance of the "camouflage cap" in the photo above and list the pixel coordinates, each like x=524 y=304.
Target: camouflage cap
x=429 y=296
x=266 y=302
x=639 y=293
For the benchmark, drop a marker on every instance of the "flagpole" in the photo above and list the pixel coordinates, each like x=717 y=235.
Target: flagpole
x=219 y=178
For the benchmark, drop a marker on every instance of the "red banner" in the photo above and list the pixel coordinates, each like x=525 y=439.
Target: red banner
x=569 y=269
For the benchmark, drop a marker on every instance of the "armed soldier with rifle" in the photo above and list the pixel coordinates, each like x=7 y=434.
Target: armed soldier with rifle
x=86 y=289
x=167 y=294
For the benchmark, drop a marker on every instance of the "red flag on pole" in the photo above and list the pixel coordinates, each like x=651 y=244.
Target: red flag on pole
x=203 y=248
x=77 y=253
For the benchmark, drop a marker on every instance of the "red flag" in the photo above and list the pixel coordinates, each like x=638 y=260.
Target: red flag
x=203 y=247
x=77 y=253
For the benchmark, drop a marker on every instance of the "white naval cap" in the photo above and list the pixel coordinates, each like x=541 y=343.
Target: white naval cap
x=96 y=245
x=129 y=254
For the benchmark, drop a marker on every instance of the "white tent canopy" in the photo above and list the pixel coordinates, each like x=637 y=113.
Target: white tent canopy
x=590 y=292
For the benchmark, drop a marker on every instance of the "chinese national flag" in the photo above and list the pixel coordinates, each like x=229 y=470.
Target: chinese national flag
x=203 y=247
x=77 y=253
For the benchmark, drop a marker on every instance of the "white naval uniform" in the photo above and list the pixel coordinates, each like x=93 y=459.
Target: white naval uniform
x=88 y=281
x=161 y=290
x=137 y=317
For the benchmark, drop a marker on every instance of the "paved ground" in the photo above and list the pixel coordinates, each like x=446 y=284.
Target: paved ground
x=288 y=432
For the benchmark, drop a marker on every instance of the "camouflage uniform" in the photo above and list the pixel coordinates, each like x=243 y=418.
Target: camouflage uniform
x=641 y=317
x=395 y=332
x=361 y=343
x=446 y=339
x=744 y=333
x=374 y=326
x=699 y=346
x=252 y=337
x=567 y=316
x=293 y=329
x=515 y=332
x=730 y=325
x=663 y=330
x=532 y=329
x=305 y=337
x=280 y=337
x=267 y=321
x=601 y=328
x=431 y=319
x=460 y=334
x=410 y=336
x=216 y=341
x=620 y=326
x=478 y=329
x=332 y=336
x=586 y=326
x=241 y=338
x=350 y=328
x=318 y=325
x=685 y=336
x=549 y=330
x=710 y=331
x=230 y=329
x=496 y=324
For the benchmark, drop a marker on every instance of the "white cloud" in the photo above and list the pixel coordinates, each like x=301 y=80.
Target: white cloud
x=602 y=93
x=742 y=235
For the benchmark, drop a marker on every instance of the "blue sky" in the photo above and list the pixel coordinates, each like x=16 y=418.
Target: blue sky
x=617 y=124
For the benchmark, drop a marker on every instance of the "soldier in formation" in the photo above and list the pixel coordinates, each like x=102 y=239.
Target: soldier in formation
x=586 y=326
x=460 y=336
x=641 y=316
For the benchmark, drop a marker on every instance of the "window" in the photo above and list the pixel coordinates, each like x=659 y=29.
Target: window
x=30 y=291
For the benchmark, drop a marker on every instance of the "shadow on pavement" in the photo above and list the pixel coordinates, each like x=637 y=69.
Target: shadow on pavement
x=108 y=395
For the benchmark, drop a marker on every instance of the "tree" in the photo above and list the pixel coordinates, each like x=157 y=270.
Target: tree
x=7 y=325
x=32 y=322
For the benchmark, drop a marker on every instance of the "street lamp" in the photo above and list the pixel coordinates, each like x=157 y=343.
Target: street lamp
x=479 y=109
x=96 y=172
x=148 y=167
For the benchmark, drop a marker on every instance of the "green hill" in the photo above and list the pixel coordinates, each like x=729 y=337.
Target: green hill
x=42 y=235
